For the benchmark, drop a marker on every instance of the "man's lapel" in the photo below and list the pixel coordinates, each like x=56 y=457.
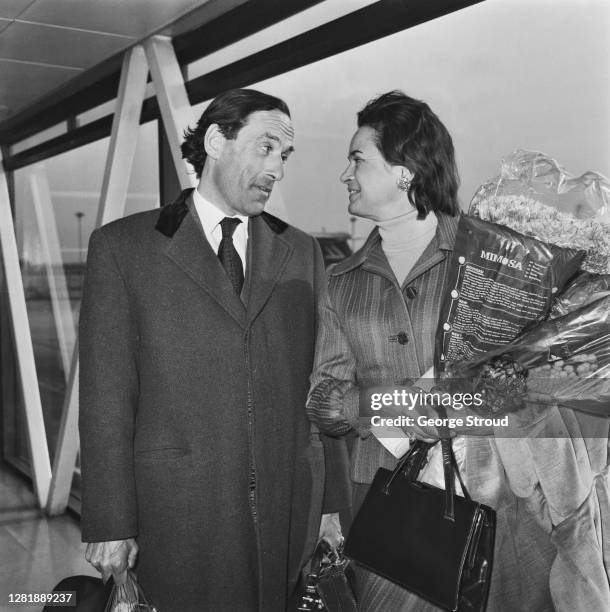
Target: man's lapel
x=192 y=253
x=268 y=254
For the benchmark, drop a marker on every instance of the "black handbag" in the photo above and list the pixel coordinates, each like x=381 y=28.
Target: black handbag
x=327 y=585
x=427 y=540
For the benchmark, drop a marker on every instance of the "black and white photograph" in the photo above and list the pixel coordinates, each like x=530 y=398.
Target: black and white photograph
x=305 y=305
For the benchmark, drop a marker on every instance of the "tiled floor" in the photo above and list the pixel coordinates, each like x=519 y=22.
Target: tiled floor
x=35 y=552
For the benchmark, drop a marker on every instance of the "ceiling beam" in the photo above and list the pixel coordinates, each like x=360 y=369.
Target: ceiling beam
x=352 y=30
x=55 y=146
x=100 y=84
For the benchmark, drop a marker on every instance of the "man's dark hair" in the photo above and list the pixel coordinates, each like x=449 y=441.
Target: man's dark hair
x=409 y=134
x=230 y=111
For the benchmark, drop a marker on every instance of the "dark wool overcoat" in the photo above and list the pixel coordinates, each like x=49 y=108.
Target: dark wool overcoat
x=194 y=436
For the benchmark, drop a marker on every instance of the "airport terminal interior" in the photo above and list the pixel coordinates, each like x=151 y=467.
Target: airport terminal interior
x=95 y=96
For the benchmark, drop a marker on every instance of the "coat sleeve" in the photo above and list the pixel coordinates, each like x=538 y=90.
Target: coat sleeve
x=337 y=486
x=107 y=399
x=333 y=402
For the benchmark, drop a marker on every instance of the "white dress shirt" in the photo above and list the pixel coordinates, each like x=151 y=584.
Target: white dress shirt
x=211 y=216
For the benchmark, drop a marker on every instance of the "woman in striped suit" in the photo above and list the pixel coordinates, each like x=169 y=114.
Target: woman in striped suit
x=378 y=322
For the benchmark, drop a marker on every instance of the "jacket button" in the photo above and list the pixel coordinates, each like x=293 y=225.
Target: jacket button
x=411 y=292
x=402 y=338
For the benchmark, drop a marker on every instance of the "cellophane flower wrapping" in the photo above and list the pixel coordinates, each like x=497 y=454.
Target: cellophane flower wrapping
x=536 y=196
x=500 y=283
x=582 y=290
x=563 y=361
x=564 y=357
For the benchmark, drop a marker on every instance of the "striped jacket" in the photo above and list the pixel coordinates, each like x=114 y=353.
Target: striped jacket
x=548 y=493
x=374 y=331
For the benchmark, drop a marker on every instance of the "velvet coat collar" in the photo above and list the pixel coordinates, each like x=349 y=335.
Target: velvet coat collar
x=267 y=254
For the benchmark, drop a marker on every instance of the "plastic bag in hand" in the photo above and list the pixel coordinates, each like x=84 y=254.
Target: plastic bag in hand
x=128 y=597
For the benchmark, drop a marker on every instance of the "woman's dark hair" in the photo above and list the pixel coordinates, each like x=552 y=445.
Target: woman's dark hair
x=410 y=134
x=230 y=110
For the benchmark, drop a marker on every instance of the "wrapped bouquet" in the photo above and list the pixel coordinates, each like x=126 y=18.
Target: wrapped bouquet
x=533 y=327
x=564 y=361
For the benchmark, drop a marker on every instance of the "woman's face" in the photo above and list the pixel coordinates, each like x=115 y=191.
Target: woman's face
x=372 y=182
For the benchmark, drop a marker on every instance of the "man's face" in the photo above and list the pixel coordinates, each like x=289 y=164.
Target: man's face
x=249 y=165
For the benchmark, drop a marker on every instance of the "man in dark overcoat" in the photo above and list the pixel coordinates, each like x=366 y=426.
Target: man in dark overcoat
x=197 y=333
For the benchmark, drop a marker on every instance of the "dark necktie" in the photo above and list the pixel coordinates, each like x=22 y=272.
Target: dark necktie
x=228 y=255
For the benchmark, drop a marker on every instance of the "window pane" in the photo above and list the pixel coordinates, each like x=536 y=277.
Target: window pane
x=56 y=206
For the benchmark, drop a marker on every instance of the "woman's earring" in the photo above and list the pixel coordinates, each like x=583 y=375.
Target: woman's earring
x=404 y=182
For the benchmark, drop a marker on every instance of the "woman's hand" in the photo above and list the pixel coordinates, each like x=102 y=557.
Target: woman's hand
x=423 y=433
x=415 y=431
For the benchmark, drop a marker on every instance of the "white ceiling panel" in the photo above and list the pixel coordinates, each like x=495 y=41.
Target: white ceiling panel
x=127 y=17
x=45 y=42
x=10 y=9
x=21 y=83
x=58 y=46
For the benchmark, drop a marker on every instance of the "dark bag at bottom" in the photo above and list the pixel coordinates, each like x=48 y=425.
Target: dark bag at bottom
x=89 y=594
x=327 y=586
x=429 y=541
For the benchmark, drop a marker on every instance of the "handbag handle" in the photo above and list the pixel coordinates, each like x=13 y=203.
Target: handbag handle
x=450 y=468
x=412 y=462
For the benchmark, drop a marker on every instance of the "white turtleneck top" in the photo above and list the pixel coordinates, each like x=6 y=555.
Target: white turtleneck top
x=403 y=240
